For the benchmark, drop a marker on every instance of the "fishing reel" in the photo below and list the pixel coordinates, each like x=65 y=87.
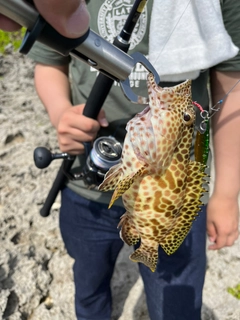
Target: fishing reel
x=105 y=153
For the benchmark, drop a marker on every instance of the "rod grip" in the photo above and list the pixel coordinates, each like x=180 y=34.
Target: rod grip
x=57 y=185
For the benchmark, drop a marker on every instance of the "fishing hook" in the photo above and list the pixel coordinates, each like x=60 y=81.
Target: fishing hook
x=205 y=115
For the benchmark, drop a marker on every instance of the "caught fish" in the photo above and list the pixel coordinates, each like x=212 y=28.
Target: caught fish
x=159 y=184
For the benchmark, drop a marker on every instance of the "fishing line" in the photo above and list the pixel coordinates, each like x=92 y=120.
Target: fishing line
x=171 y=33
x=221 y=101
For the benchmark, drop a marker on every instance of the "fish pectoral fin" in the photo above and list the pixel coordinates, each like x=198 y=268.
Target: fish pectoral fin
x=125 y=184
x=122 y=186
x=189 y=210
x=111 y=179
x=147 y=255
x=128 y=232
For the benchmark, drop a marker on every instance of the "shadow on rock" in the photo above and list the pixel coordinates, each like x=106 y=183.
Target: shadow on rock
x=208 y=314
x=124 y=278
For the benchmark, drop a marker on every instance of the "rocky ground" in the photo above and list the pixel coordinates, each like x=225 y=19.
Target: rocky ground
x=35 y=272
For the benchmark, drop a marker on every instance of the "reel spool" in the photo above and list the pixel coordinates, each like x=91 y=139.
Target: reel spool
x=106 y=152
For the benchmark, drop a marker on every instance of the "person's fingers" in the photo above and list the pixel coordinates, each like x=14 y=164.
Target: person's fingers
x=213 y=237
x=224 y=240
x=211 y=231
x=219 y=243
x=70 y=18
x=72 y=147
x=102 y=119
x=73 y=134
x=232 y=238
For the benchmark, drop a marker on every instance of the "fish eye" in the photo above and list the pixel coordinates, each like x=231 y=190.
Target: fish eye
x=188 y=118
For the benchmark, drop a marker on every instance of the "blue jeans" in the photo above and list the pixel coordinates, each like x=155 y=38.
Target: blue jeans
x=91 y=237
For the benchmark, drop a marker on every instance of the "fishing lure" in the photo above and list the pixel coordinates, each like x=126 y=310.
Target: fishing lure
x=201 y=147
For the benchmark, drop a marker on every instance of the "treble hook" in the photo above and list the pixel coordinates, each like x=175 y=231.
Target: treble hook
x=205 y=115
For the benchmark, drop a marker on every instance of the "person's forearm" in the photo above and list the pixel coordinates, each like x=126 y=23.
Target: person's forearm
x=226 y=133
x=53 y=88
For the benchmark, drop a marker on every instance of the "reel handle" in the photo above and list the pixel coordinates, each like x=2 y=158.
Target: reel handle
x=43 y=157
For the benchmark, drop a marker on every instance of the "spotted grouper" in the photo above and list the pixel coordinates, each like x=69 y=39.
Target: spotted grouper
x=159 y=184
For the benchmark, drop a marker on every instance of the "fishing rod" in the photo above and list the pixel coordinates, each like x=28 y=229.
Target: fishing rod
x=89 y=48
x=92 y=173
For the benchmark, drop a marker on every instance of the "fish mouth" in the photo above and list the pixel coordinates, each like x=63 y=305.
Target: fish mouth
x=180 y=89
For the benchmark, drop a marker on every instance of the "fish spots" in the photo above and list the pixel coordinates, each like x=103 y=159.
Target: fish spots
x=173 y=197
x=181 y=166
x=146 y=207
x=147 y=230
x=151 y=145
x=167 y=214
x=164 y=96
x=177 y=173
x=148 y=134
x=154 y=155
x=179 y=157
x=168 y=124
x=177 y=190
x=137 y=206
x=180 y=183
x=170 y=179
x=135 y=186
x=149 y=199
x=167 y=193
x=182 y=175
x=162 y=183
x=164 y=131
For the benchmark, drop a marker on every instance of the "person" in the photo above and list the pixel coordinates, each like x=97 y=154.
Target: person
x=88 y=228
x=71 y=19
x=223 y=206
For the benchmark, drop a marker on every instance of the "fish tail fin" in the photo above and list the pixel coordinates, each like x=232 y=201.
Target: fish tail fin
x=147 y=255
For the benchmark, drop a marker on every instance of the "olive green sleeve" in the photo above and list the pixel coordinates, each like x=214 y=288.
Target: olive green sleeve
x=231 y=18
x=42 y=54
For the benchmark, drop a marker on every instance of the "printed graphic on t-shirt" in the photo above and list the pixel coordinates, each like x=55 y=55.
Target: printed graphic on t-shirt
x=112 y=16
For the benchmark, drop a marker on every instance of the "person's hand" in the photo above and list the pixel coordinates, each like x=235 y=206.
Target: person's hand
x=69 y=18
x=222 y=221
x=73 y=129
